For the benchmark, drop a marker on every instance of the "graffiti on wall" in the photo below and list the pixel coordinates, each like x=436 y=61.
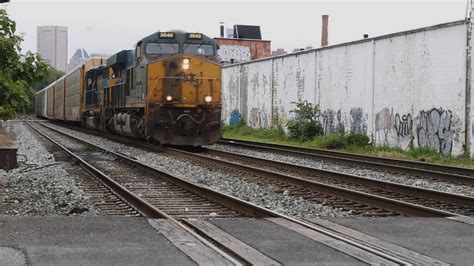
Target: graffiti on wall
x=234 y=117
x=437 y=129
x=338 y=122
x=383 y=124
x=258 y=118
x=403 y=125
x=358 y=121
x=300 y=84
x=332 y=122
x=388 y=124
x=227 y=53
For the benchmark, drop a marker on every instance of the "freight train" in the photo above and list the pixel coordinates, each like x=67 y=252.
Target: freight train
x=166 y=90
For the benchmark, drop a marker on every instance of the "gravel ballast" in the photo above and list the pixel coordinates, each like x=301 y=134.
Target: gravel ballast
x=268 y=197
x=41 y=186
x=354 y=170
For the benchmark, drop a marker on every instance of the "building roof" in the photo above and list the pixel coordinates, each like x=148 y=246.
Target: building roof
x=80 y=54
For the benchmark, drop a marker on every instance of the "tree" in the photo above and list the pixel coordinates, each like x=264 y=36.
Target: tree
x=306 y=123
x=17 y=75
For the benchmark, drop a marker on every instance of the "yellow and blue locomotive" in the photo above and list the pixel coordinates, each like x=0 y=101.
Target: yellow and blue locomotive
x=167 y=90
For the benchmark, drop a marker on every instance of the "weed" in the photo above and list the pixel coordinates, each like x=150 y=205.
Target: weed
x=306 y=125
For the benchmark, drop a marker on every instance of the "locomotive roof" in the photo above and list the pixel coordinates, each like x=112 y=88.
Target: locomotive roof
x=178 y=36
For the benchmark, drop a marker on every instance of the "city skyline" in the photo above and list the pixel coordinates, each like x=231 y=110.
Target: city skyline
x=290 y=25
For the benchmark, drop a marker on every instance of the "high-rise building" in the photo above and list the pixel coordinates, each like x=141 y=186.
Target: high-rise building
x=79 y=57
x=51 y=44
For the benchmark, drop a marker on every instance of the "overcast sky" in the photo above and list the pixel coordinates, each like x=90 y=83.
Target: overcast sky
x=106 y=26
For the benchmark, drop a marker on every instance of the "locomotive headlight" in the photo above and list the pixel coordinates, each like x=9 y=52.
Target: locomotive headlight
x=185 y=64
x=169 y=98
x=208 y=99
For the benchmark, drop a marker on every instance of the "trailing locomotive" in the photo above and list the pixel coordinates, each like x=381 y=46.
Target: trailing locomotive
x=166 y=90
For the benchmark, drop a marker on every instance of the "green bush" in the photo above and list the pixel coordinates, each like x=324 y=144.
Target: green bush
x=336 y=143
x=331 y=141
x=360 y=140
x=340 y=141
x=306 y=124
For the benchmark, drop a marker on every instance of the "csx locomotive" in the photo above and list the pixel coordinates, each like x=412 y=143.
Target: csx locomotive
x=166 y=90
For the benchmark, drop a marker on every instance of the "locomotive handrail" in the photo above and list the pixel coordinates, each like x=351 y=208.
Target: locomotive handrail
x=147 y=99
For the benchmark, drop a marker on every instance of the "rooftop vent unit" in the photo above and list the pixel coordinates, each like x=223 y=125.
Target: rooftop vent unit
x=247 y=32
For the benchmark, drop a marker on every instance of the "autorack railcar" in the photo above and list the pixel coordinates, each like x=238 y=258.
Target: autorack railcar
x=62 y=99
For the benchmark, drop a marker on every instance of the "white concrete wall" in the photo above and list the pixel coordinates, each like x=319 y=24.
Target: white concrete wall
x=293 y=79
x=344 y=88
x=469 y=94
x=403 y=90
x=420 y=87
x=256 y=89
x=231 y=95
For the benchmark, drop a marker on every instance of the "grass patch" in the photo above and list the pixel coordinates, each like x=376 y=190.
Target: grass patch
x=356 y=143
x=249 y=133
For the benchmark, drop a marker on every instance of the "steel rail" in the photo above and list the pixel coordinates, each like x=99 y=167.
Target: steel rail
x=396 y=205
x=387 y=254
x=324 y=188
x=366 y=198
x=415 y=191
x=141 y=205
x=429 y=170
x=211 y=194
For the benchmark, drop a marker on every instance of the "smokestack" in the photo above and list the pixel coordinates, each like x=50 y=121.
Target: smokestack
x=222 y=29
x=324 y=32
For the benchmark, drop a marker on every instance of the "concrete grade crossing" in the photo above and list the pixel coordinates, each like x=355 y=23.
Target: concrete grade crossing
x=447 y=240
x=139 y=241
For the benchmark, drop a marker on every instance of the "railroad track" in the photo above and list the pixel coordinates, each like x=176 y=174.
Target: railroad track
x=456 y=175
x=101 y=195
x=148 y=204
x=360 y=196
x=448 y=202
x=172 y=196
x=105 y=199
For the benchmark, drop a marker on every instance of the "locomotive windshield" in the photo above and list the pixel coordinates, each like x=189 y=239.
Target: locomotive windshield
x=199 y=49
x=162 y=48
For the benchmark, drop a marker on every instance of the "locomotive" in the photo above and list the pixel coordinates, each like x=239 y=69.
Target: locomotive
x=166 y=90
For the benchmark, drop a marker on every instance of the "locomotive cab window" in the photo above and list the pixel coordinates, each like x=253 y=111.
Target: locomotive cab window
x=199 y=49
x=154 y=48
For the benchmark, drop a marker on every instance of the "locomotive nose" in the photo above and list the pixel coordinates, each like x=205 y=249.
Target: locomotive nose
x=186 y=126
